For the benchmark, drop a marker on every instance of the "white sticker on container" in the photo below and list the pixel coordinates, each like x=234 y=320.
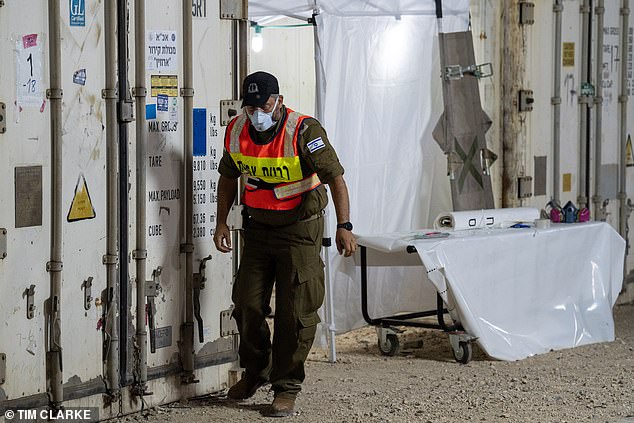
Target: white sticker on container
x=173 y=109
x=28 y=63
x=162 y=48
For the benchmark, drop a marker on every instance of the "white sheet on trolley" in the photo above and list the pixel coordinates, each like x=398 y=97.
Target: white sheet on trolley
x=524 y=291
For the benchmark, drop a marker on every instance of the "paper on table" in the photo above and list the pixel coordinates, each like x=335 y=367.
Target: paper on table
x=492 y=218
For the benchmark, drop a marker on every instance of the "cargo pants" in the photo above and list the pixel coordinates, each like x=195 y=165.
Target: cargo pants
x=289 y=258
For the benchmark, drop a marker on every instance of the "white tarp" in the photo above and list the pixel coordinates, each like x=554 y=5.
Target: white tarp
x=379 y=97
x=524 y=291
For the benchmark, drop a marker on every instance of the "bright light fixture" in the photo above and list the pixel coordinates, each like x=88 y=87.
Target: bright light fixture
x=257 y=41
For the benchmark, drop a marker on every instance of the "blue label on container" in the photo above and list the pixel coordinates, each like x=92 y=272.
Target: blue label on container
x=150 y=111
x=79 y=77
x=77 y=9
x=200 y=132
x=162 y=103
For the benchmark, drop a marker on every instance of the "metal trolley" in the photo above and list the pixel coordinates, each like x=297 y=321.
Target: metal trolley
x=386 y=326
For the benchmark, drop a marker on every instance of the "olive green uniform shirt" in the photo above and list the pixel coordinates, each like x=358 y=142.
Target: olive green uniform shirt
x=323 y=161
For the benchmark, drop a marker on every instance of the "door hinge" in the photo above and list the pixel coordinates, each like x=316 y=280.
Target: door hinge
x=3 y=115
x=527 y=13
x=233 y=9
x=29 y=293
x=228 y=110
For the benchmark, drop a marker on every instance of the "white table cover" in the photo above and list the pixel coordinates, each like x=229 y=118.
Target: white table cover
x=523 y=291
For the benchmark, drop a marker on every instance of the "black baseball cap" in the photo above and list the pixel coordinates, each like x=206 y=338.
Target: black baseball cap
x=257 y=88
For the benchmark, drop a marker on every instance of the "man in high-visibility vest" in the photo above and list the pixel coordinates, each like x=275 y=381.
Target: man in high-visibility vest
x=284 y=159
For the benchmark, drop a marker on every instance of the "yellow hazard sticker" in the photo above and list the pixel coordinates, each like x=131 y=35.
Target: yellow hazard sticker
x=567 y=182
x=164 y=84
x=629 y=156
x=568 y=55
x=81 y=208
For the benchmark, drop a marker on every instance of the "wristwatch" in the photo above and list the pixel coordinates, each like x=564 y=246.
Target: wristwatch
x=346 y=225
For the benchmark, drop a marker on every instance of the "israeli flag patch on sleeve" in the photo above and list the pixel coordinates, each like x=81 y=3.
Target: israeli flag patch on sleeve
x=315 y=145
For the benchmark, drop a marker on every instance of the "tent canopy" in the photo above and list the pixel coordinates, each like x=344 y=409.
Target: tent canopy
x=303 y=9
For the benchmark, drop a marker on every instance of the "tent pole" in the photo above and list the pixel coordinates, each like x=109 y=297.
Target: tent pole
x=329 y=311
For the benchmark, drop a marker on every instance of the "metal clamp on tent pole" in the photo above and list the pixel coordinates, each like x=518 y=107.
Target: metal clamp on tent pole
x=487 y=158
x=454 y=162
x=456 y=72
x=312 y=20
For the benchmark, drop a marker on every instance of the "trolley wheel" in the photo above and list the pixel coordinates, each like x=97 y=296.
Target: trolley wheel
x=464 y=353
x=391 y=346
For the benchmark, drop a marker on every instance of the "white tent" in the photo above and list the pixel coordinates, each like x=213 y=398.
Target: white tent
x=305 y=8
x=379 y=97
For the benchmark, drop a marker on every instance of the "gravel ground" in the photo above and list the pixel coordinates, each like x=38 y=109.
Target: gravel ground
x=587 y=384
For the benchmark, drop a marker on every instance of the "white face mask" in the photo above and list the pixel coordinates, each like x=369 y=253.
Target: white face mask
x=262 y=121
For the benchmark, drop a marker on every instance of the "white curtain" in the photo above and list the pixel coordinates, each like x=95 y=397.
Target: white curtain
x=379 y=97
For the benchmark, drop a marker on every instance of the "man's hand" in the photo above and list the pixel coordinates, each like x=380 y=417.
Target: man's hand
x=346 y=243
x=222 y=238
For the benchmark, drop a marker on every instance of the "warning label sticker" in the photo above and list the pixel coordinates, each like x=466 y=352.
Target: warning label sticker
x=568 y=55
x=81 y=208
x=162 y=51
x=164 y=85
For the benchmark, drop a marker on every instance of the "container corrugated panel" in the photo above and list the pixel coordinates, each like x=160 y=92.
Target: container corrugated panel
x=26 y=147
x=26 y=143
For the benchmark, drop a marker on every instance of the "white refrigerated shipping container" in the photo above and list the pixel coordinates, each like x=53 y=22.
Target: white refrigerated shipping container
x=95 y=333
